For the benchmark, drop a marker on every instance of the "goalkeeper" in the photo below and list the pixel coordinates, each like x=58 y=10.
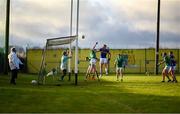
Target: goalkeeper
x=64 y=62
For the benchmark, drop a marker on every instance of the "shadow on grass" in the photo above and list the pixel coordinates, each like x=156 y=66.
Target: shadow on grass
x=81 y=100
x=92 y=96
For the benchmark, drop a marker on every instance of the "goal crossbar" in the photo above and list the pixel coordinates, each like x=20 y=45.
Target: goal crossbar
x=60 y=41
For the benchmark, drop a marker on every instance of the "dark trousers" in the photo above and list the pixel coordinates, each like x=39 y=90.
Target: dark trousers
x=13 y=76
x=64 y=74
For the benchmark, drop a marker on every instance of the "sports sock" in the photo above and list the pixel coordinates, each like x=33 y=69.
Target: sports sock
x=106 y=70
x=97 y=74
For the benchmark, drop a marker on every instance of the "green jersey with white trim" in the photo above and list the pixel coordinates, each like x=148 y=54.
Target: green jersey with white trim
x=92 y=55
x=119 y=61
x=167 y=60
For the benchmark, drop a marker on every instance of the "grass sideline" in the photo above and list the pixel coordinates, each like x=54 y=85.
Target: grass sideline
x=136 y=94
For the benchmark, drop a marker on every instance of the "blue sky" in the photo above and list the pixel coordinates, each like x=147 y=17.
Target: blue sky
x=117 y=23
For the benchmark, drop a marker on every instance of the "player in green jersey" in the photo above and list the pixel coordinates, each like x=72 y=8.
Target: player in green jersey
x=167 y=64
x=119 y=64
x=92 y=65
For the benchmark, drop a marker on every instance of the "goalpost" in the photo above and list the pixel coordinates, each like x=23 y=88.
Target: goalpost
x=62 y=41
x=56 y=42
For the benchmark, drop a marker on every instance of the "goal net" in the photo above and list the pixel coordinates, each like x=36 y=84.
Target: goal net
x=51 y=43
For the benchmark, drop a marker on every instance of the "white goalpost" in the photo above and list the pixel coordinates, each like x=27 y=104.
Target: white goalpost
x=56 y=42
x=62 y=41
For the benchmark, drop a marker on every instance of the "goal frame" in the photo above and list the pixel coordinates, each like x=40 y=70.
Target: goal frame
x=56 y=42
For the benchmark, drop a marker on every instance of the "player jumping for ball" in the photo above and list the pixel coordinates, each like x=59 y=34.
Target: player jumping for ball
x=104 y=60
x=92 y=65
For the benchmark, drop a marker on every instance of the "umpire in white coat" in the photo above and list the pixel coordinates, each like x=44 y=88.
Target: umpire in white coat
x=14 y=62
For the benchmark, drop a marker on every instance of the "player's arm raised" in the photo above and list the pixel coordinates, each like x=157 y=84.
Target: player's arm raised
x=95 y=45
x=69 y=54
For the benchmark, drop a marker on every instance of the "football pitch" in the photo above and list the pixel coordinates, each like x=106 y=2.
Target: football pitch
x=136 y=94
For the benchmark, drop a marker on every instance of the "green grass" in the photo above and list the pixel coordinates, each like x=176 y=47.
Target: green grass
x=139 y=94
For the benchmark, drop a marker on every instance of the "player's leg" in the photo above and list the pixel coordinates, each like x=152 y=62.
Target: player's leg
x=96 y=72
x=101 y=66
x=93 y=71
x=172 y=71
x=64 y=71
x=13 y=77
x=167 y=72
x=87 y=72
x=117 y=73
x=163 y=75
x=90 y=70
x=121 y=74
x=106 y=65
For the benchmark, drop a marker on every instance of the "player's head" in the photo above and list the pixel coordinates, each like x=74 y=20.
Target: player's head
x=13 y=49
x=119 y=55
x=164 y=54
x=104 y=46
x=170 y=52
x=64 y=53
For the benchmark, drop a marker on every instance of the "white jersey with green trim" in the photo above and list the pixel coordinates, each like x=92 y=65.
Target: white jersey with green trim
x=64 y=62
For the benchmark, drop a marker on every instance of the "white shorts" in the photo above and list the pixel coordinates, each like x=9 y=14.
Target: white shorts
x=167 y=68
x=63 y=66
x=103 y=60
x=93 y=61
x=119 y=69
x=173 y=68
